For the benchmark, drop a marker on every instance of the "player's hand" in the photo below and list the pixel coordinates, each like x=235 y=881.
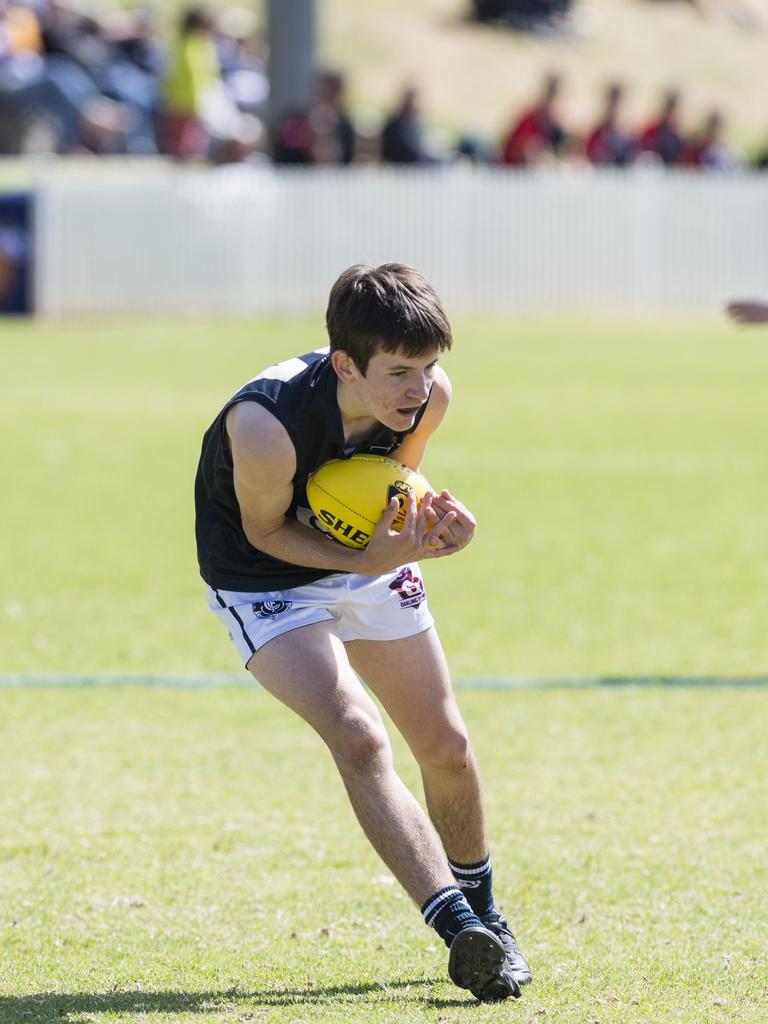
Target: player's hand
x=748 y=312
x=460 y=529
x=423 y=535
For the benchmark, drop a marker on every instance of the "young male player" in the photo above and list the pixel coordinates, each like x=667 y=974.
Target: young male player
x=308 y=616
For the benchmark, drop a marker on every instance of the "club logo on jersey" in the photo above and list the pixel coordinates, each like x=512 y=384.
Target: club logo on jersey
x=270 y=609
x=409 y=587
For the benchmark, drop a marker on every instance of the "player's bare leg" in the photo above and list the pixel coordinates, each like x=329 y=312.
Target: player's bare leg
x=307 y=669
x=410 y=678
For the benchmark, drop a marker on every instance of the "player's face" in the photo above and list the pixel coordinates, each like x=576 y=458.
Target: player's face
x=395 y=387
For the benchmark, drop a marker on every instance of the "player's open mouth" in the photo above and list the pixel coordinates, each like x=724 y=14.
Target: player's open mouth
x=410 y=410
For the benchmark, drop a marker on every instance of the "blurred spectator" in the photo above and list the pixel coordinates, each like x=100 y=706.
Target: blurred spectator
x=331 y=87
x=81 y=65
x=537 y=132
x=324 y=134
x=20 y=63
x=403 y=138
x=20 y=30
x=488 y=10
x=71 y=82
x=292 y=140
x=541 y=16
x=200 y=118
x=242 y=67
x=707 y=150
x=193 y=69
x=608 y=143
x=48 y=95
x=474 y=150
x=130 y=74
x=69 y=33
x=661 y=138
x=134 y=38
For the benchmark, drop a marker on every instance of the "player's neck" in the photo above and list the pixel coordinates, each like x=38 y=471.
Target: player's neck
x=356 y=419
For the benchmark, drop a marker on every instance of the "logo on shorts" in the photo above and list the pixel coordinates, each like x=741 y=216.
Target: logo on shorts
x=409 y=587
x=270 y=609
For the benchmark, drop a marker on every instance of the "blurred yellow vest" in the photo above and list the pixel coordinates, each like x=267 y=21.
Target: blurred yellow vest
x=193 y=68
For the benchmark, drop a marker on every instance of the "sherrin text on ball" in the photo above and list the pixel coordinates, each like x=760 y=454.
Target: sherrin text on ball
x=349 y=496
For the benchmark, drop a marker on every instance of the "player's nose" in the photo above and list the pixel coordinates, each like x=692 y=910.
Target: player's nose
x=419 y=390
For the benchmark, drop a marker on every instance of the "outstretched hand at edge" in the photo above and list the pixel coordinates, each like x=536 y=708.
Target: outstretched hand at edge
x=748 y=312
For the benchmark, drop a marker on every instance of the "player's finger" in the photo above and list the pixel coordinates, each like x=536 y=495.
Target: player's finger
x=439 y=530
x=441 y=552
x=411 y=513
x=446 y=499
x=388 y=517
x=426 y=514
x=431 y=516
x=454 y=501
x=465 y=518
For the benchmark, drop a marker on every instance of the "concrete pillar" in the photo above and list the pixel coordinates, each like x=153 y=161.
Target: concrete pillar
x=292 y=44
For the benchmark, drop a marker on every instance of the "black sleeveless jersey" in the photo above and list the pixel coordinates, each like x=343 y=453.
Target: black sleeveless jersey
x=301 y=394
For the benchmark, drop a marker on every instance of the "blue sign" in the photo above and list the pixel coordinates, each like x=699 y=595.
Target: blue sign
x=16 y=253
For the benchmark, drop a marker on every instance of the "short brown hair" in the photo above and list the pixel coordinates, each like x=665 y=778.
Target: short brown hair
x=390 y=307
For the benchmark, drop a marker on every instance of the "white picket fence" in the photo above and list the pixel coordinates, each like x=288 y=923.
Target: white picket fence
x=256 y=240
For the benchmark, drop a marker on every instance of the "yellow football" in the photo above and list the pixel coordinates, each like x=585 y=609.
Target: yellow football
x=349 y=496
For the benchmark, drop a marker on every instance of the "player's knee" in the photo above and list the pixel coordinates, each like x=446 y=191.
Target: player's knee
x=360 y=743
x=447 y=749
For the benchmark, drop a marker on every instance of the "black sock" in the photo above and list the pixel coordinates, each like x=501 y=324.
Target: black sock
x=448 y=912
x=475 y=881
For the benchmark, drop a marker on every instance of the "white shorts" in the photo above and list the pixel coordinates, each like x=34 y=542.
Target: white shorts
x=388 y=607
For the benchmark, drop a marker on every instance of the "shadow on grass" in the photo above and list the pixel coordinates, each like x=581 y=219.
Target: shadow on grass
x=45 y=1007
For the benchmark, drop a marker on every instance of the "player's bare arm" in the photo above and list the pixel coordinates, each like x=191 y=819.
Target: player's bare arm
x=264 y=463
x=461 y=528
x=413 y=448
x=748 y=312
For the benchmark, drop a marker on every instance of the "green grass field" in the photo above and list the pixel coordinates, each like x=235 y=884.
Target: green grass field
x=618 y=470
x=184 y=855
x=191 y=857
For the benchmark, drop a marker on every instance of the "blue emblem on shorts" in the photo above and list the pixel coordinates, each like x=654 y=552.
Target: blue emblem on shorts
x=270 y=609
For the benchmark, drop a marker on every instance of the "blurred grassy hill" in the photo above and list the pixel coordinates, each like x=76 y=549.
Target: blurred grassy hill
x=475 y=77
x=472 y=78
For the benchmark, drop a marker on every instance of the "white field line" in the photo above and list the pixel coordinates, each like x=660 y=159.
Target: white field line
x=10 y=681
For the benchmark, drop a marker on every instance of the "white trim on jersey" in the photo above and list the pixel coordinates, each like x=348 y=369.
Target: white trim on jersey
x=288 y=369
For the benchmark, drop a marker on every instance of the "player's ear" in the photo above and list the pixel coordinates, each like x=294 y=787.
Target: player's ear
x=344 y=365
